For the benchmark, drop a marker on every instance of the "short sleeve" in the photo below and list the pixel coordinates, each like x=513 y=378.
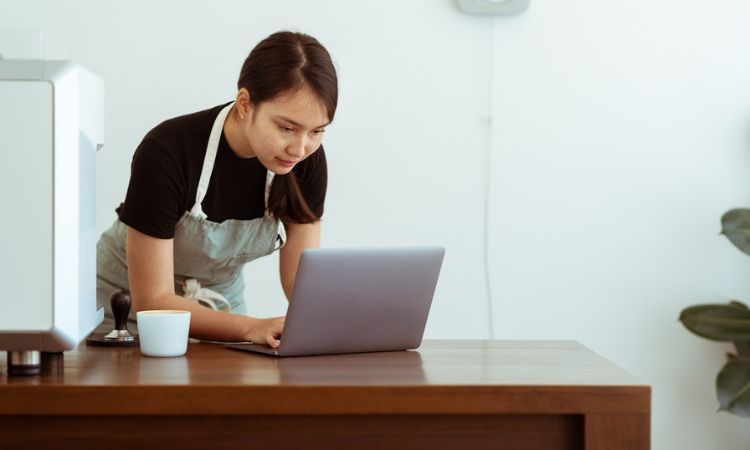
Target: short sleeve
x=155 y=198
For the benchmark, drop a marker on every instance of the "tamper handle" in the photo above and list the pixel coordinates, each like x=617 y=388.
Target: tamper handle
x=120 y=303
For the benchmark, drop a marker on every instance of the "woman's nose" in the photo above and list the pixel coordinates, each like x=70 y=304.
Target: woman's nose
x=297 y=149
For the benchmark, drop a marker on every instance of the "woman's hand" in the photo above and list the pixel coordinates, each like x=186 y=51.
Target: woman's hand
x=266 y=331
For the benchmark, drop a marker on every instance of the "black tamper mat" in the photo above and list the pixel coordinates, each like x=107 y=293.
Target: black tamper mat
x=120 y=336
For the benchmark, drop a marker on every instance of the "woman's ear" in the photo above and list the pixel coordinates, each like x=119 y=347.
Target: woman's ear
x=244 y=106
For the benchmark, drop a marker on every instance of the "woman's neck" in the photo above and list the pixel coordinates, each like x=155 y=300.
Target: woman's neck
x=235 y=136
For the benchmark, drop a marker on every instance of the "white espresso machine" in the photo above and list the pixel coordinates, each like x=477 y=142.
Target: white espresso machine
x=51 y=125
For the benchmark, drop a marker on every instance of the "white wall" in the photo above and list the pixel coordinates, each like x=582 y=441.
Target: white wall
x=620 y=134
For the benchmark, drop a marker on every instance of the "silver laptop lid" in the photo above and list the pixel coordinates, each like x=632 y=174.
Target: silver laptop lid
x=360 y=299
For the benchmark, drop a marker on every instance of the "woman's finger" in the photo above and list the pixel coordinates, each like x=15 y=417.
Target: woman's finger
x=271 y=341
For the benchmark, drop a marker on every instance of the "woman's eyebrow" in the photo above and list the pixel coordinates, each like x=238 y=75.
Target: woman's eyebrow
x=286 y=119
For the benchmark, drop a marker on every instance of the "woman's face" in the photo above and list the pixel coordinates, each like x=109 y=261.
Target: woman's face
x=283 y=131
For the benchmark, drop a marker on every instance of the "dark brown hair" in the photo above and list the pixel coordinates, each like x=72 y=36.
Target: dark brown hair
x=285 y=62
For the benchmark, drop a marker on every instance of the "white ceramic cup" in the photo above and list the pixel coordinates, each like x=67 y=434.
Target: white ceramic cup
x=163 y=332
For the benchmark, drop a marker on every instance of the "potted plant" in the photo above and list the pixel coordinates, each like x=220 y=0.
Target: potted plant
x=728 y=322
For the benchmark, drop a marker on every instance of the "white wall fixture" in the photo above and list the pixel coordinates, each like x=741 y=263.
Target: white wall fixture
x=493 y=7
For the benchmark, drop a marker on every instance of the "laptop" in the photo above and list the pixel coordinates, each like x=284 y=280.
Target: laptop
x=354 y=300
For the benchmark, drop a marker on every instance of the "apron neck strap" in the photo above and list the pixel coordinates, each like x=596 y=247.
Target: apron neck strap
x=269 y=182
x=209 y=160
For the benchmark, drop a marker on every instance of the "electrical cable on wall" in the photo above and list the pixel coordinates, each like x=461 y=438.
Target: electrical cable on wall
x=490 y=8
x=487 y=185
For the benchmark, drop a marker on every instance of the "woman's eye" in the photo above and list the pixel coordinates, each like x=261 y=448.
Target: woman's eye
x=287 y=129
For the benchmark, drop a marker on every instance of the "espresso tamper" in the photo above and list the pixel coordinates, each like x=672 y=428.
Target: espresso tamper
x=119 y=336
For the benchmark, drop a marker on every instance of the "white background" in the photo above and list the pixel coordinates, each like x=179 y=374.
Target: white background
x=615 y=135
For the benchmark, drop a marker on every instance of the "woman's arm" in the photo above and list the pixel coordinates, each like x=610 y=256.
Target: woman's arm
x=299 y=237
x=151 y=278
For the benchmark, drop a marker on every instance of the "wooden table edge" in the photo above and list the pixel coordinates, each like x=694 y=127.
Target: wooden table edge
x=317 y=400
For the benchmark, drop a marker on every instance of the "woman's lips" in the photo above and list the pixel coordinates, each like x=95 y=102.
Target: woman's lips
x=286 y=163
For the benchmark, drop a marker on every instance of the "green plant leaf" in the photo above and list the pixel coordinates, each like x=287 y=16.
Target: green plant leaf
x=743 y=347
x=718 y=322
x=733 y=387
x=735 y=225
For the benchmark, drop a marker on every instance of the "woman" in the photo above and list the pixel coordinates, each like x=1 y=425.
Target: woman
x=213 y=190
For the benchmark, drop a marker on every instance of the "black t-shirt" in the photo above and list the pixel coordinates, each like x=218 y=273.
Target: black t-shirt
x=166 y=168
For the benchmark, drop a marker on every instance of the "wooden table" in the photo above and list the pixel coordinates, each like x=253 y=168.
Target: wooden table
x=541 y=395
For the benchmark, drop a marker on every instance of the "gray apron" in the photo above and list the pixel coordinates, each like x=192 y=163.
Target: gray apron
x=208 y=256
